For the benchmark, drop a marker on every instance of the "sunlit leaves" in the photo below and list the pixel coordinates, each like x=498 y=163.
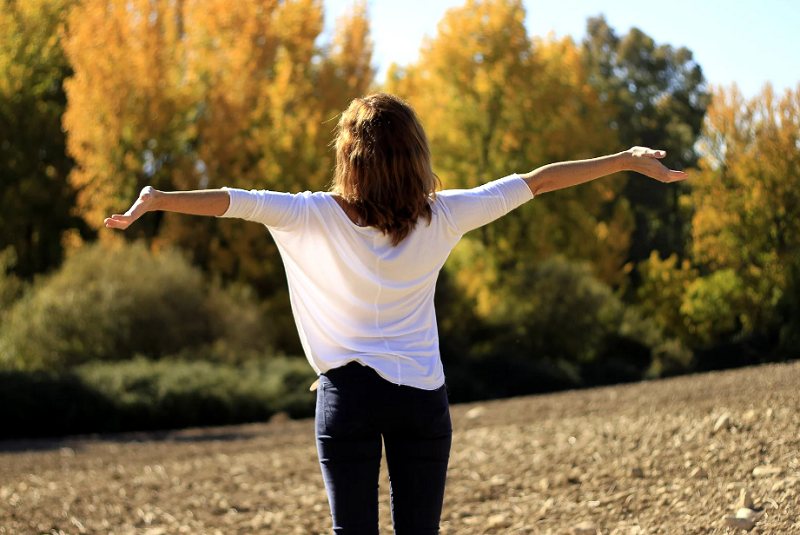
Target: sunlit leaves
x=496 y=101
x=207 y=93
x=745 y=227
x=35 y=200
x=746 y=196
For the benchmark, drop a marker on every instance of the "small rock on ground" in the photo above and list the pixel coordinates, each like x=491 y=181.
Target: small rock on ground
x=699 y=473
x=475 y=413
x=723 y=422
x=747 y=514
x=767 y=471
x=585 y=528
x=745 y=500
x=739 y=523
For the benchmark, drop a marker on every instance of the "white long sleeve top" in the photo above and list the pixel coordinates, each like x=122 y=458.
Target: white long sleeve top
x=354 y=296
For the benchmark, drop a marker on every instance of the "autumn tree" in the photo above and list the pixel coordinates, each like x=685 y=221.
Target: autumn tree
x=746 y=228
x=658 y=96
x=347 y=69
x=495 y=101
x=198 y=94
x=202 y=94
x=35 y=199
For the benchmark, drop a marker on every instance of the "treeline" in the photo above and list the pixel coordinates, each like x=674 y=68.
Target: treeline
x=620 y=279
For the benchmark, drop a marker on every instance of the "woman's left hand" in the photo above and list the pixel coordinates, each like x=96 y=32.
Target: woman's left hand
x=645 y=161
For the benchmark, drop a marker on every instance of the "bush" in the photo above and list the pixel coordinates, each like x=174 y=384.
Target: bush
x=507 y=375
x=141 y=395
x=714 y=306
x=110 y=304
x=11 y=287
x=547 y=327
x=558 y=310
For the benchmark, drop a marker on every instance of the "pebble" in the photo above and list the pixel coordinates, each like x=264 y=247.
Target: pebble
x=699 y=473
x=746 y=513
x=637 y=472
x=745 y=499
x=585 y=528
x=475 y=412
x=750 y=416
x=497 y=521
x=738 y=523
x=784 y=484
x=722 y=422
x=767 y=471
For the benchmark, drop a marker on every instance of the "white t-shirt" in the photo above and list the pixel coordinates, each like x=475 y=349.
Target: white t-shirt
x=356 y=297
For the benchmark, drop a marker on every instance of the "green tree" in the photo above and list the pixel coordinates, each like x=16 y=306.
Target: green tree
x=659 y=97
x=36 y=202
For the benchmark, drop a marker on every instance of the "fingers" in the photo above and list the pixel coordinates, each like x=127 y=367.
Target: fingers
x=118 y=221
x=139 y=208
x=668 y=176
x=674 y=176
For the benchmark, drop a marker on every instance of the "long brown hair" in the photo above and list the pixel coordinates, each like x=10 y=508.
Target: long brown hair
x=383 y=164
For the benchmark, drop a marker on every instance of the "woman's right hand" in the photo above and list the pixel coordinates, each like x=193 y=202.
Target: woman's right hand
x=145 y=203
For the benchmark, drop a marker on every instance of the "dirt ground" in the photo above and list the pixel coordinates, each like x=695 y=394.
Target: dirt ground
x=633 y=459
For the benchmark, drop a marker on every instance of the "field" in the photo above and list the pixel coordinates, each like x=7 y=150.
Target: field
x=671 y=456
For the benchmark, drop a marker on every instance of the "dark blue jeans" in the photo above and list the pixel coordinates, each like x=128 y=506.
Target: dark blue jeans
x=355 y=407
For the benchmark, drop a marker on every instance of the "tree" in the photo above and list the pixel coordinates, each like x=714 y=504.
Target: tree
x=659 y=97
x=240 y=100
x=495 y=101
x=347 y=70
x=36 y=201
x=747 y=221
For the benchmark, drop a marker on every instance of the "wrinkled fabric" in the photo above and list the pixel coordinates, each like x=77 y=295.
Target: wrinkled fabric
x=354 y=296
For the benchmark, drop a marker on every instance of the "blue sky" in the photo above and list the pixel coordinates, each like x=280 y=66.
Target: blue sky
x=747 y=42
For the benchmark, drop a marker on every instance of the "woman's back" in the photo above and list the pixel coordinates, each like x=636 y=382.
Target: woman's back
x=357 y=296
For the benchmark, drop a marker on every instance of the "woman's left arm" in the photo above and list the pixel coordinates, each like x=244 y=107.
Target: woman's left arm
x=213 y=202
x=565 y=174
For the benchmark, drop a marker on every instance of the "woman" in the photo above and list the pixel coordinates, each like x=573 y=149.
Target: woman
x=361 y=263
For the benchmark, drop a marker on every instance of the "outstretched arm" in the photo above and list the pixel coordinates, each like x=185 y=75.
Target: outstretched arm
x=565 y=174
x=213 y=202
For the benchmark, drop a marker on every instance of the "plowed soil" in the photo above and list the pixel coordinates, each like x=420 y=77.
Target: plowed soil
x=631 y=459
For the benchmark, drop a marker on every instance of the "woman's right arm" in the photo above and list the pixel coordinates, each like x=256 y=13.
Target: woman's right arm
x=212 y=202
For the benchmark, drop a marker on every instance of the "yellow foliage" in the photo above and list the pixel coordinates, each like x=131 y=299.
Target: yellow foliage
x=495 y=101
x=207 y=93
x=662 y=290
x=747 y=216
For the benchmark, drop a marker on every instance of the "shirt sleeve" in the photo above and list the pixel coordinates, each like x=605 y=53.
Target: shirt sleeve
x=274 y=209
x=469 y=209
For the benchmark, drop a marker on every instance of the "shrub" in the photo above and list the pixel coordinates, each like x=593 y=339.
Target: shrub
x=714 y=306
x=141 y=394
x=110 y=304
x=558 y=310
x=11 y=287
x=546 y=327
